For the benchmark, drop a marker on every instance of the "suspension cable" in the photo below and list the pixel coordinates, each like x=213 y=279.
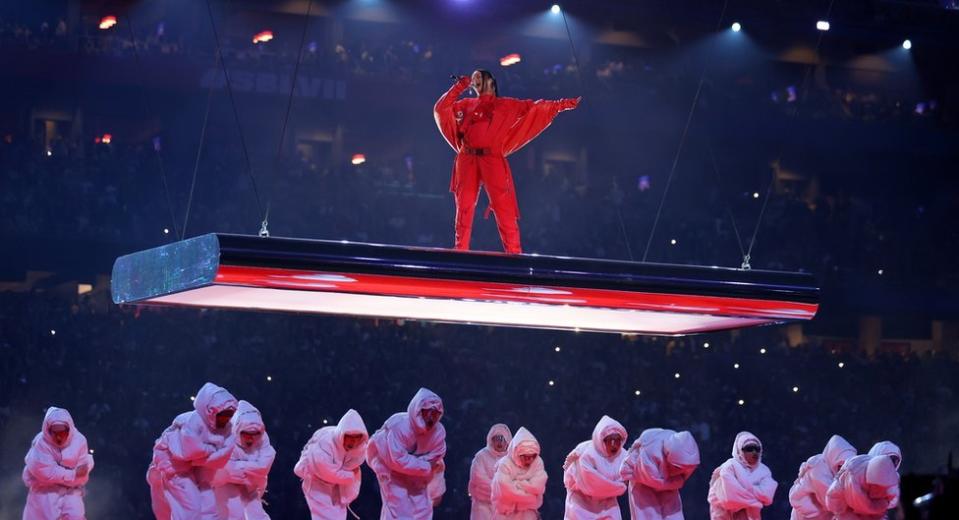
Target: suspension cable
x=792 y=118
x=265 y=225
x=149 y=110
x=729 y=213
x=236 y=115
x=682 y=141
x=199 y=149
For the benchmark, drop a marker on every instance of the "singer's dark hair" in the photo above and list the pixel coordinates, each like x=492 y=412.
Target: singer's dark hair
x=489 y=75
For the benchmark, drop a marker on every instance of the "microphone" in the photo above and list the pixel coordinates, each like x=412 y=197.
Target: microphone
x=455 y=77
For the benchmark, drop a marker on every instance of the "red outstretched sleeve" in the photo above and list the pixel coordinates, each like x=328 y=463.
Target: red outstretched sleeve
x=531 y=118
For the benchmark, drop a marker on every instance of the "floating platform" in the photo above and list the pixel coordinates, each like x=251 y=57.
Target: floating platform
x=443 y=285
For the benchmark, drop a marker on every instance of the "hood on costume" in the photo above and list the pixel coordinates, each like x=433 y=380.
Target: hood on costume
x=881 y=472
x=498 y=429
x=56 y=415
x=742 y=439
x=351 y=424
x=248 y=419
x=522 y=444
x=837 y=452
x=604 y=428
x=887 y=448
x=423 y=400
x=681 y=450
x=211 y=400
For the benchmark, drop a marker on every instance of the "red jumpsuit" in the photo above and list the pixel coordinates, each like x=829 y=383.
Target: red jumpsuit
x=484 y=131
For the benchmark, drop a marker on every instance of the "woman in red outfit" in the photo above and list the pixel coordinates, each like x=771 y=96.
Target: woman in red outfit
x=483 y=131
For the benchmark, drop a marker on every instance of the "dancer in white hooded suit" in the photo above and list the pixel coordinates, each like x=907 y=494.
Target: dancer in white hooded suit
x=482 y=469
x=519 y=481
x=892 y=451
x=188 y=454
x=240 y=485
x=864 y=489
x=56 y=469
x=808 y=494
x=591 y=474
x=406 y=454
x=330 y=467
x=656 y=467
x=740 y=487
